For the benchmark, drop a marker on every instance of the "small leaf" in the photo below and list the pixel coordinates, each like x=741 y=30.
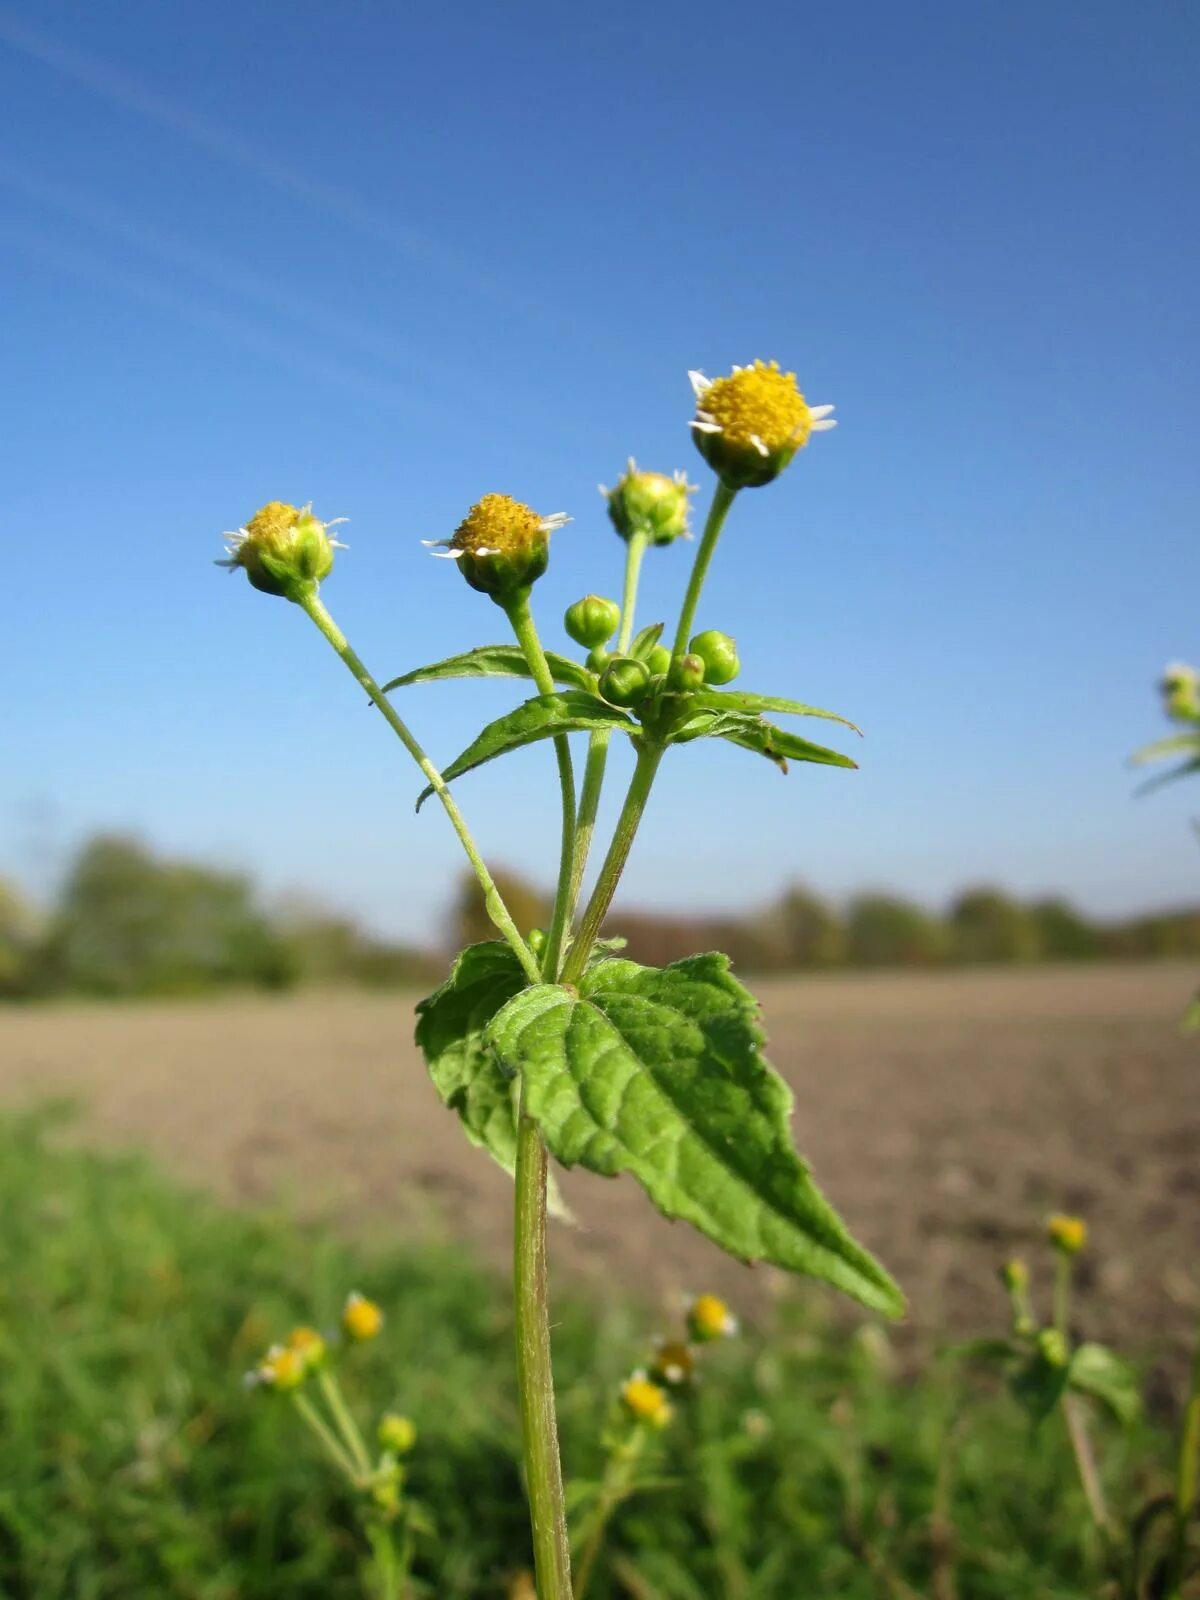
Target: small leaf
x=661 y=1074
x=1175 y=745
x=645 y=640
x=1104 y=1377
x=494 y=661
x=540 y=718
x=740 y=700
x=1184 y=770
x=779 y=746
x=1039 y=1386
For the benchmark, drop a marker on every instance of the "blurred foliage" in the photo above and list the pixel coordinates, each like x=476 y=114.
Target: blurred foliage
x=135 y=1463
x=129 y=923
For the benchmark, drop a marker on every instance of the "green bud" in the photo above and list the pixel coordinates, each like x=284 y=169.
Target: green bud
x=1015 y=1276
x=502 y=546
x=598 y=659
x=1052 y=1348
x=592 y=620
x=284 y=550
x=624 y=680
x=1180 y=689
x=659 y=660
x=536 y=940
x=649 y=504
x=397 y=1434
x=686 y=672
x=719 y=655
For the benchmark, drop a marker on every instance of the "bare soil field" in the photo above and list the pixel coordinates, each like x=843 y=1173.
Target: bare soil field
x=944 y=1114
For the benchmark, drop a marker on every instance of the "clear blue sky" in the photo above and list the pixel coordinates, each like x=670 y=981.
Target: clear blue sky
x=388 y=257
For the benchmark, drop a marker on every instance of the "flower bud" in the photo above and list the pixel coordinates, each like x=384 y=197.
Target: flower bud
x=1180 y=688
x=659 y=661
x=592 y=621
x=719 y=655
x=501 y=545
x=710 y=1318
x=283 y=550
x=361 y=1318
x=1052 y=1347
x=749 y=425
x=308 y=1344
x=650 y=505
x=1068 y=1235
x=623 y=681
x=674 y=1363
x=536 y=940
x=685 y=672
x=396 y=1433
x=1014 y=1275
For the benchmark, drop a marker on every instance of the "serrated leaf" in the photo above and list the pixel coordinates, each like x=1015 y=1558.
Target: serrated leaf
x=464 y=1069
x=1174 y=745
x=645 y=640
x=741 y=700
x=1104 y=1377
x=540 y=718
x=660 y=1073
x=493 y=661
x=765 y=739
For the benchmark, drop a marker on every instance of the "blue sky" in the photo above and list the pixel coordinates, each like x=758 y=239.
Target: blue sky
x=388 y=257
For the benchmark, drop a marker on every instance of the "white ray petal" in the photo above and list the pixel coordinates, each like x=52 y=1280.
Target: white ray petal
x=447 y=555
x=704 y=427
x=824 y=424
x=556 y=520
x=699 y=383
x=817 y=412
x=759 y=445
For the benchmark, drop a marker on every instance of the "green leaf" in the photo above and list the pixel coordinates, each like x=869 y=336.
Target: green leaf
x=779 y=746
x=1104 y=1377
x=661 y=1074
x=740 y=700
x=1175 y=745
x=645 y=640
x=494 y=661
x=1184 y=770
x=540 y=718
x=1039 y=1385
x=465 y=1071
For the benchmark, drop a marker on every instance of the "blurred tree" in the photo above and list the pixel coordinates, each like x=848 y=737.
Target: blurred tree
x=1062 y=933
x=985 y=924
x=18 y=938
x=884 y=930
x=469 y=921
x=329 y=949
x=805 y=931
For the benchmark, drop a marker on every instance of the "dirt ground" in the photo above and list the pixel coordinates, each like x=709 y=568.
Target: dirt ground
x=943 y=1114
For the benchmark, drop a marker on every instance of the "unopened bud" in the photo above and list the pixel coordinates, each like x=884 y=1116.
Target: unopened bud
x=284 y=550
x=650 y=505
x=592 y=621
x=1015 y=1276
x=719 y=655
x=659 y=661
x=686 y=672
x=624 y=680
x=397 y=1433
x=1068 y=1235
x=1052 y=1347
x=1180 y=688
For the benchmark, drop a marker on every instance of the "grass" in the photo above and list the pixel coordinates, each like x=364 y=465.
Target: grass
x=133 y=1462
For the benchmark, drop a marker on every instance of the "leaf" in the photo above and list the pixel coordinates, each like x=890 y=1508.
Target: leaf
x=493 y=661
x=779 y=746
x=1184 y=770
x=1039 y=1385
x=645 y=640
x=1175 y=745
x=464 y=1069
x=740 y=700
x=540 y=718
x=1104 y=1377
x=661 y=1074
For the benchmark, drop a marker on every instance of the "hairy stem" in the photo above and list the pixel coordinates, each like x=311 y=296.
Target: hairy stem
x=1085 y=1462
x=518 y=613
x=635 y=549
x=496 y=909
x=722 y=499
x=329 y=1441
x=387 y=1567
x=1187 y=1480
x=535 y=1377
x=640 y=785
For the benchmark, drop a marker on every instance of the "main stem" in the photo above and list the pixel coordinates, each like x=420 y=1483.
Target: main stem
x=521 y=617
x=722 y=499
x=1186 y=1482
x=496 y=909
x=640 y=785
x=535 y=1375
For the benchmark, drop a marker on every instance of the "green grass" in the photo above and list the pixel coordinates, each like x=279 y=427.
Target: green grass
x=133 y=1462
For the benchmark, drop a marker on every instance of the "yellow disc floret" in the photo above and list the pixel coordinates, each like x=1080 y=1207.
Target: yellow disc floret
x=502 y=545
x=271 y=526
x=361 y=1318
x=646 y=1400
x=759 y=402
x=284 y=550
x=1068 y=1234
x=674 y=1363
x=308 y=1344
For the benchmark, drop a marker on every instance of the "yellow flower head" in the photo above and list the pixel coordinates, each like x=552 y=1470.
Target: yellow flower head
x=650 y=504
x=396 y=1433
x=501 y=545
x=1014 y=1275
x=308 y=1344
x=361 y=1318
x=283 y=549
x=646 y=1400
x=709 y=1318
x=1067 y=1234
x=1180 y=687
x=674 y=1363
x=749 y=425
x=282 y=1369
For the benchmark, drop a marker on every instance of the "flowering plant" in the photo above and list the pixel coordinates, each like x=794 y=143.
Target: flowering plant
x=549 y=1042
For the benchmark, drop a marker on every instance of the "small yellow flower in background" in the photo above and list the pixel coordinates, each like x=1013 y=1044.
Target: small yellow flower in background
x=1014 y=1275
x=361 y=1318
x=396 y=1433
x=501 y=545
x=709 y=1318
x=284 y=550
x=281 y=1369
x=749 y=425
x=1068 y=1234
x=673 y=1363
x=646 y=1401
x=308 y=1344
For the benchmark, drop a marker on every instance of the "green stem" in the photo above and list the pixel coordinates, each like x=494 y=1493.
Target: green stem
x=640 y=785
x=346 y=1424
x=535 y=1377
x=1085 y=1462
x=1187 y=1480
x=635 y=549
x=1062 y=1293
x=328 y=1439
x=618 y=1473
x=722 y=499
x=387 y=1569
x=496 y=909
x=516 y=608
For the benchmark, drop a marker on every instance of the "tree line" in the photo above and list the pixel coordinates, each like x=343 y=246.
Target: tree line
x=129 y=922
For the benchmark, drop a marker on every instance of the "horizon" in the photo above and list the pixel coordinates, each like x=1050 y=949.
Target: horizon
x=969 y=231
